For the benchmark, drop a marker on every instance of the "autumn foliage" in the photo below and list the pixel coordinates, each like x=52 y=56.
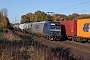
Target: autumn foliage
x=33 y=17
x=42 y=16
x=4 y=21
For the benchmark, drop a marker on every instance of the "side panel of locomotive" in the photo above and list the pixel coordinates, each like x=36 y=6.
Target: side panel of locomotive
x=37 y=27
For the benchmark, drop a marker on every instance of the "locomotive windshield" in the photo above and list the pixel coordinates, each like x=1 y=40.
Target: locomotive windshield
x=55 y=25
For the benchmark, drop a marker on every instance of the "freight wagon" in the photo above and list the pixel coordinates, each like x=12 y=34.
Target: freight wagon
x=77 y=30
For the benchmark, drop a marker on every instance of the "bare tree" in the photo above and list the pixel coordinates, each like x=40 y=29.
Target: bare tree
x=4 y=12
x=0 y=18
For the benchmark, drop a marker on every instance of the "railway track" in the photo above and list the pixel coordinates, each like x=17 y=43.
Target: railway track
x=79 y=50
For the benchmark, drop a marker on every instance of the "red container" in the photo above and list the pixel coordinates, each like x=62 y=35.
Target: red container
x=69 y=27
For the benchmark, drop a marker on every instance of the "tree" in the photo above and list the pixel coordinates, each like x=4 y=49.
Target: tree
x=24 y=18
x=1 y=16
x=4 y=12
x=33 y=17
x=74 y=16
x=58 y=17
x=28 y=15
x=82 y=16
x=39 y=16
x=5 y=22
x=42 y=16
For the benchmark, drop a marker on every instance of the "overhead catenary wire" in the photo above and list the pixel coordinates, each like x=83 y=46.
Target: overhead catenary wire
x=60 y=4
x=84 y=10
x=73 y=6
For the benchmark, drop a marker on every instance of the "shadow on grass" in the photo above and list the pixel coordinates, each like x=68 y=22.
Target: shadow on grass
x=63 y=53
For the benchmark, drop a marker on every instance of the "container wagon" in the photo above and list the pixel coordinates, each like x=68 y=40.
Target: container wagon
x=83 y=30
x=76 y=30
x=69 y=28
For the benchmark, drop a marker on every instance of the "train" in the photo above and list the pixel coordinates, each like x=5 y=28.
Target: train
x=49 y=29
x=73 y=30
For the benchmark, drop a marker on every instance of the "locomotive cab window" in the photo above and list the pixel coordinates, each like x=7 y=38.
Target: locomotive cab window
x=52 y=26
x=55 y=26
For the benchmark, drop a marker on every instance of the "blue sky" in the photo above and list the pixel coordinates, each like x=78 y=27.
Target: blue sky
x=20 y=7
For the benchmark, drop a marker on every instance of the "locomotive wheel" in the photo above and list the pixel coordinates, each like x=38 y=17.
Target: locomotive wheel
x=50 y=38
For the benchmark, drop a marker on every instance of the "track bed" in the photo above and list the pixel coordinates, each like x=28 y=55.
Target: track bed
x=78 y=50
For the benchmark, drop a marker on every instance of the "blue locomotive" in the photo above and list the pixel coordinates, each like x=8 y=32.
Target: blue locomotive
x=50 y=29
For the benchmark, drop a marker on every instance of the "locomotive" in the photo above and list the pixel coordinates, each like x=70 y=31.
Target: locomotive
x=48 y=29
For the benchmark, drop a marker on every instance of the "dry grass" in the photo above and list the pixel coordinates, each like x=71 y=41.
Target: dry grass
x=9 y=36
x=12 y=53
